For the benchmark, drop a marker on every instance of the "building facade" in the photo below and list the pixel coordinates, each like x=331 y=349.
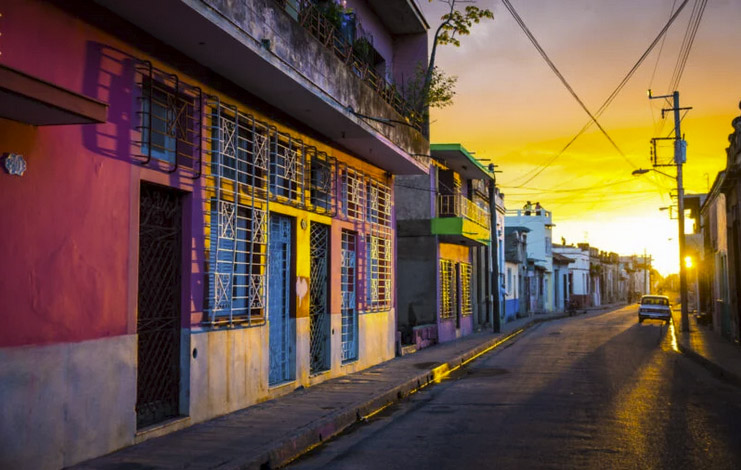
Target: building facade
x=441 y=218
x=517 y=283
x=202 y=210
x=579 y=277
x=539 y=251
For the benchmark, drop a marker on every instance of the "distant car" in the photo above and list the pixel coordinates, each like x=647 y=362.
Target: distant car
x=654 y=307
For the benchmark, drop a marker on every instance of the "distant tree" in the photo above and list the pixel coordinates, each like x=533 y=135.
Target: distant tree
x=437 y=87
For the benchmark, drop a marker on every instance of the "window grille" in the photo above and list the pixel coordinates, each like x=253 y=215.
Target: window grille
x=239 y=151
x=448 y=289
x=465 y=270
x=321 y=181
x=353 y=194
x=379 y=203
x=169 y=121
x=236 y=216
x=378 y=273
x=286 y=169
x=348 y=287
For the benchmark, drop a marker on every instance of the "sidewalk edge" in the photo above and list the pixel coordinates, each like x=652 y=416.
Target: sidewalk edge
x=716 y=369
x=316 y=433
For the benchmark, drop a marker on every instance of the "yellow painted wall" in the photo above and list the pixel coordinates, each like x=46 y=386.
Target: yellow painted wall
x=458 y=253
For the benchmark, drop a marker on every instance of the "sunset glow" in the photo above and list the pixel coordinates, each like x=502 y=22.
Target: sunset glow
x=511 y=108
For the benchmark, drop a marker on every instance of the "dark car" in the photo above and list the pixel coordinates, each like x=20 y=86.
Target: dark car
x=655 y=307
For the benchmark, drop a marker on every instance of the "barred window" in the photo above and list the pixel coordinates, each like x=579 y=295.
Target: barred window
x=286 y=168
x=378 y=275
x=353 y=194
x=239 y=149
x=448 y=289
x=321 y=181
x=237 y=259
x=466 y=304
x=169 y=119
x=379 y=203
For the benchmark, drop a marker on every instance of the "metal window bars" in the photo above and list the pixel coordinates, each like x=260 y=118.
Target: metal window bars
x=348 y=290
x=321 y=181
x=236 y=216
x=169 y=121
x=379 y=292
x=352 y=194
x=287 y=165
x=466 y=306
x=448 y=289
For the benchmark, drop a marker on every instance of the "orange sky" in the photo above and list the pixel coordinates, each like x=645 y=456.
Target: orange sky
x=511 y=107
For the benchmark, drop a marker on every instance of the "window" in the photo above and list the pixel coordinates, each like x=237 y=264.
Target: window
x=353 y=194
x=237 y=258
x=378 y=266
x=448 y=289
x=466 y=307
x=509 y=280
x=169 y=119
x=239 y=151
x=320 y=187
x=286 y=168
x=379 y=205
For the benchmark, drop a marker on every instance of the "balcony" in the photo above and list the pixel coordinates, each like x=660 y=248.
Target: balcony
x=542 y=215
x=461 y=221
x=291 y=61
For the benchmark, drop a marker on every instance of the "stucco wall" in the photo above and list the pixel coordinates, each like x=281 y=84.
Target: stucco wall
x=63 y=403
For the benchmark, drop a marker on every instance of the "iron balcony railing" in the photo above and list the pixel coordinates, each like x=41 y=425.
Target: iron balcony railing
x=457 y=205
x=306 y=13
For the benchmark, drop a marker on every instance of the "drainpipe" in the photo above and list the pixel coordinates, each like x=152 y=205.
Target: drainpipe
x=496 y=319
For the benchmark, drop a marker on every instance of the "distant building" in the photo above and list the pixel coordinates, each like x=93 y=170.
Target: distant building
x=539 y=251
x=444 y=221
x=516 y=273
x=579 y=277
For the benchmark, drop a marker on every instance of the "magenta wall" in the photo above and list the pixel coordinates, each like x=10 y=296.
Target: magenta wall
x=70 y=223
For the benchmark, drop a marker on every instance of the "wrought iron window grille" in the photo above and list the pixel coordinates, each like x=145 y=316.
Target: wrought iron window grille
x=321 y=181
x=379 y=292
x=448 y=289
x=169 y=121
x=287 y=169
x=465 y=272
x=348 y=289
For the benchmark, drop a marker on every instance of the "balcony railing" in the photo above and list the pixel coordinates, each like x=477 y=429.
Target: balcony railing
x=306 y=13
x=457 y=205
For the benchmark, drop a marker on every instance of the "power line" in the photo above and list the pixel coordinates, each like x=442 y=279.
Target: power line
x=687 y=42
x=555 y=70
x=612 y=96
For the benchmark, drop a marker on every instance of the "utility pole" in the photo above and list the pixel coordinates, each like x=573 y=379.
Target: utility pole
x=680 y=155
x=496 y=319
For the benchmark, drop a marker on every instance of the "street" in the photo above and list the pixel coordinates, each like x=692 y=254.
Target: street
x=592 y=391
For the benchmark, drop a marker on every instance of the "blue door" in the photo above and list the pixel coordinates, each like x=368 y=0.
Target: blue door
x=281 y=323
x=349 y=302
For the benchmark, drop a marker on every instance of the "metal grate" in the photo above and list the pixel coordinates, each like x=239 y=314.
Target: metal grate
x=158 y=320
x=321 y=181
x=236 y=217
x=379 y=203
x=169 y=121
x=319 y=320
x=353 y=194
x=282 y=335
x=448 y=289
x=348 y=276
x=286 y=169
x=466 y=306
x=378 y=278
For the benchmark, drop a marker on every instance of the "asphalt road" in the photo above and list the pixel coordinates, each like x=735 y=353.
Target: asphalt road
x=592 y=391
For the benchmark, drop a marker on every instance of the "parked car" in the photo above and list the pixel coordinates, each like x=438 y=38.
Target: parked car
x=654 y=307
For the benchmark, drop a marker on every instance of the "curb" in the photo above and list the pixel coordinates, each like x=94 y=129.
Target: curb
x=711 y=366
x=313 y=435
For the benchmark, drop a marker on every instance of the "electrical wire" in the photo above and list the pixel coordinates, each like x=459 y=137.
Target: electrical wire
x=610 y=98
x=687 y=42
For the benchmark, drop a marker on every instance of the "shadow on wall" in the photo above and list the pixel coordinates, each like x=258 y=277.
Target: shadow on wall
x=110 y=78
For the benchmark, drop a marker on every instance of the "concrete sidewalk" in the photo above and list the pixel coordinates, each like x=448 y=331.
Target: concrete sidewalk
x=271 y=434
x=716 y=353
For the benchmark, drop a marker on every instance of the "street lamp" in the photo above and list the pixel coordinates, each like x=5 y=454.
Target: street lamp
x=680 y=219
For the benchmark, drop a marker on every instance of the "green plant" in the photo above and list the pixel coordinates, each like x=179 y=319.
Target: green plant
x=363 y=50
